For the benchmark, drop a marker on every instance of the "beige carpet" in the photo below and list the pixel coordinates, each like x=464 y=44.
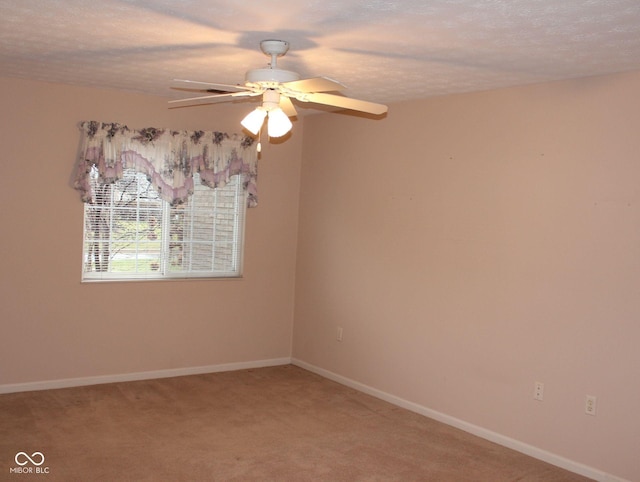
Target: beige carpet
x=268 y=424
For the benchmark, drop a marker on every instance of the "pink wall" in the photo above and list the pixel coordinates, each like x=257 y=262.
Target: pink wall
x=468 y=245
x=53 y=327
x=471 y=245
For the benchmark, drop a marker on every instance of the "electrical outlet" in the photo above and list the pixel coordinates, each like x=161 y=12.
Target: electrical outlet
x=590 y=405
x=339 y=334
x=538 y=391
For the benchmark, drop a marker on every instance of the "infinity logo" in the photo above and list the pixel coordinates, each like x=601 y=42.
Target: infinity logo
x=29 y=459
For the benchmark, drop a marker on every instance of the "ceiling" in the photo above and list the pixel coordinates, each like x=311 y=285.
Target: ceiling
x=383 y=51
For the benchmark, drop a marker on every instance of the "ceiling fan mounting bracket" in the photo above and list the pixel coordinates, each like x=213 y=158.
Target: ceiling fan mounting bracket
x=274 y=47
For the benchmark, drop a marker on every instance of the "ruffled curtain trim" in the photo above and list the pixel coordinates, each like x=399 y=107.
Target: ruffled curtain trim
x=168 y=158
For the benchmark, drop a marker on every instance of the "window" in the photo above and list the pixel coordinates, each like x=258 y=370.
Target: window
x=131 y=233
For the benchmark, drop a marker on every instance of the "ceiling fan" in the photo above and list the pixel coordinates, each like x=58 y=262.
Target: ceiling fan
x=277 y=87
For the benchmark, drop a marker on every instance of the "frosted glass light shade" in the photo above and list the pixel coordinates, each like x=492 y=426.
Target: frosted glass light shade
x=278 y=124
x=254 y=119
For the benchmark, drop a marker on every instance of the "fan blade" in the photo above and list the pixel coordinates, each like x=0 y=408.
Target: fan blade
x=315 y=84
x=287 y=106
x=344 y=102
x=210 y=99
x=207 y=86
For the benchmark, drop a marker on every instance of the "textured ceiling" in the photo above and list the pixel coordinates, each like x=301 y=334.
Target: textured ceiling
x=383 y=51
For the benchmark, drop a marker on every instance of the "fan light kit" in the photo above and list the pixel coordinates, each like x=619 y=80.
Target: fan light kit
x=277 y=87
x=278 y=124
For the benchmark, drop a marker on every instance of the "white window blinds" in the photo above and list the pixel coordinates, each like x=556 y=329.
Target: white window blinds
x=131 y=233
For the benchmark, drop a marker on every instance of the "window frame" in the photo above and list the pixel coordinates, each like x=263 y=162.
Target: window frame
x=164 y=273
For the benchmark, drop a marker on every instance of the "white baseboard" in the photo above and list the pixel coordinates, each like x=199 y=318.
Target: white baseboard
x=130 y=377
x=481 y=432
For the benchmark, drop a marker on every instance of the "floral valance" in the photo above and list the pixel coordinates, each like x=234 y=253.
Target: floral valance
x=169 y=159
